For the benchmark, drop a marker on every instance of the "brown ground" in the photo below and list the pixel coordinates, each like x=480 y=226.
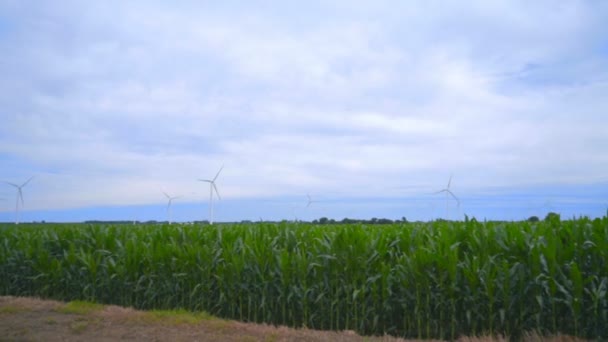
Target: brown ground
x=28 y=319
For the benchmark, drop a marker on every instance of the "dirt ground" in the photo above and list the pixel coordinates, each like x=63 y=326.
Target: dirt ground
x=30 y=319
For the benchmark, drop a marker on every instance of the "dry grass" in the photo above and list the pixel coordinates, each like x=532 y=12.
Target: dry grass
x=36 y=319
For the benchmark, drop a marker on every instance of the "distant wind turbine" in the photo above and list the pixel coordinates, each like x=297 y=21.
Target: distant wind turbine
x=19 y=197
x=170 y=198
x=212 y=187
x=310 y=201
x=448 y=193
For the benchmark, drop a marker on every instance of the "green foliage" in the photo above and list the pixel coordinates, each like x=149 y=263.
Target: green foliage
x=80 y=307
x=10 y=309
x=418 y=280
x=552 y=217
x=179 y=316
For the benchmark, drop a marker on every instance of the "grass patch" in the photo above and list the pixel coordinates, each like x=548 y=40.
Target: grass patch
x=271 y=338
x=179 y=316
x=80 y=308
x=79 y=326
x=10 y=309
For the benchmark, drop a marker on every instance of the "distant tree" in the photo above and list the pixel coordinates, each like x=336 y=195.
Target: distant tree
x=323 y=220
x=552 y=217
x=533 y=219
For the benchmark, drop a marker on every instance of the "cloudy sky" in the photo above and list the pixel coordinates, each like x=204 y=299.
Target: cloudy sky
x=368 y=106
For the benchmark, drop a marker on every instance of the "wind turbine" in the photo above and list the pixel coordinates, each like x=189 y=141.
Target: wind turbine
x=170 y=198
x=310 y=201
x=448 y=193
x=19 y=197
x=212 y=187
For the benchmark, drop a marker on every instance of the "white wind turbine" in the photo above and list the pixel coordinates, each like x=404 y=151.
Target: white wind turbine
x=19 y=197
x=212 y=187
x=310 y=200
x=170 y=198
x=448 y=193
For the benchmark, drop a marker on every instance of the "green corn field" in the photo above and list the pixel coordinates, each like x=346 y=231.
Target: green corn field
x=416 y=280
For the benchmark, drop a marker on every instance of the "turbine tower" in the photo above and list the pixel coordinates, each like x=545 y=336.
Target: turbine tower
x=170 y=198
x=212 y=187
x=19 y=197
x=448 y=193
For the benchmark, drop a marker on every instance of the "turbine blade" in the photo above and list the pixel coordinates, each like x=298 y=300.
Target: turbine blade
x=217 y=192
x=218 y=173
x=456 y=198
x=24 y=184
x=20 y=195
x=166 y=195
x=13 y=184
x=450 y=181
x=205 y=180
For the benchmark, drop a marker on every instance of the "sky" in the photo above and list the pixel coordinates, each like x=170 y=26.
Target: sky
x=368 y=107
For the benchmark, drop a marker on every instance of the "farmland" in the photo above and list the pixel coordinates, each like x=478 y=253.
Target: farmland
x=416 y=280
